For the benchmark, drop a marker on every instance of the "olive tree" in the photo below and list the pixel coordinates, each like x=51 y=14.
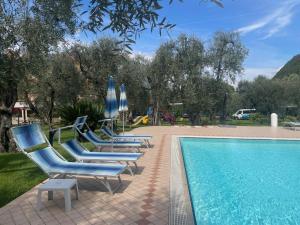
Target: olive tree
x=59 y=84
x=263 y=94
x=28 y=30
x=226 y=55
x=97 y=62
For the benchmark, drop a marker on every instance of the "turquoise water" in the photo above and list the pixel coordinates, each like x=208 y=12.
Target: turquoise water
x=236 y=181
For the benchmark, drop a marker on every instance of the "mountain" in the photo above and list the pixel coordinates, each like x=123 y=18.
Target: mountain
x=291 y=67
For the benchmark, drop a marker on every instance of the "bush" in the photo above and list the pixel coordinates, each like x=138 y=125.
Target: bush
x=256 y=116
x=290 y=119
x=260 y=119
x=204 y=122
x=83 y=108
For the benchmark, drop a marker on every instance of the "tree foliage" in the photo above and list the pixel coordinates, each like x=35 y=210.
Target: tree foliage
x=97 y=61
x=59 y=84
x=183 y=72
x=128 y=18
x=226 y=55
x=269 y=95
x=29 y=31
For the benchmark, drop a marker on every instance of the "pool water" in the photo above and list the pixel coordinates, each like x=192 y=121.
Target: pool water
x=239 y=181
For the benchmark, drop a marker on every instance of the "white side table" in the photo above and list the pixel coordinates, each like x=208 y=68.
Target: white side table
x=58 y=185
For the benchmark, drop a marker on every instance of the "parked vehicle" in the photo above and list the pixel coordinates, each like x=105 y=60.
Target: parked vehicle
x=243 y=114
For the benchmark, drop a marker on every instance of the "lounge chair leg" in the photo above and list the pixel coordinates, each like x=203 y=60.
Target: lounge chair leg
x=135 y=167
x=129 y=169
x=148 y=143
x=107 y=185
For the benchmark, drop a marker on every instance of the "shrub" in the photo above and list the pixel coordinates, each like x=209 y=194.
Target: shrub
x=290 y=119
x=204 y=122
x=260 y=119
x=255 y=116
x=83 y=108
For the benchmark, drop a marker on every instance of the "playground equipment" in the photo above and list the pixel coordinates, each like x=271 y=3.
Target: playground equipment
x=141 y=119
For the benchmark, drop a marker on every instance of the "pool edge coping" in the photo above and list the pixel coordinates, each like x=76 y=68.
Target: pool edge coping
x=181 y=211
x=236 y=137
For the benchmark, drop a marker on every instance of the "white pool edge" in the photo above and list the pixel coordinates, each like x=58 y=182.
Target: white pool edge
x=237 y=137
x=181 y=211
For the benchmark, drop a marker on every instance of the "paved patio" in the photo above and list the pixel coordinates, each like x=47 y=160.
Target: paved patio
x=143 y=199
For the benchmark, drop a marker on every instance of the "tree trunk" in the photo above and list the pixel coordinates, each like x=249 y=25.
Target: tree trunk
x=156 y=112
x=50 y=114
x=5 y=124
x=6 y=107
x=12 y=71
x=224 y=106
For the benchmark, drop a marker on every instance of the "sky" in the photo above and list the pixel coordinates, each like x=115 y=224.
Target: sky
x=269 y=29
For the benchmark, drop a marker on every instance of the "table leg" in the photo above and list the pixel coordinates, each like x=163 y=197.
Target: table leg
x=76 y=190
x=67 y=200
x=50 y=195
x=39 y=200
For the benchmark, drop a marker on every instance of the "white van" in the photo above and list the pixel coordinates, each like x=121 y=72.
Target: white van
x=243 y=114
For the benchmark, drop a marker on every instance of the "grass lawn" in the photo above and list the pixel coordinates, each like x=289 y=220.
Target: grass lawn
x=17 y=175
x=246 y=122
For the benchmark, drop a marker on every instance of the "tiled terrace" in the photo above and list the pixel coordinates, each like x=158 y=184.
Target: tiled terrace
x=143 y=199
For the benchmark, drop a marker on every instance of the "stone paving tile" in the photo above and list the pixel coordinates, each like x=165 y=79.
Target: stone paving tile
x=143 y=199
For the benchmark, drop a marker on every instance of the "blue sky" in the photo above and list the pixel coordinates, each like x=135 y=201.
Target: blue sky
x=268 y=28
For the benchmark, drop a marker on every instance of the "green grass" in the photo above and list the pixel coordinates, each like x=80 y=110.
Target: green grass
x=17 y=175
x=246 y=123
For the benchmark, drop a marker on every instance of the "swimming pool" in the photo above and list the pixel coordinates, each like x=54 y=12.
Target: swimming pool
x=243 y=181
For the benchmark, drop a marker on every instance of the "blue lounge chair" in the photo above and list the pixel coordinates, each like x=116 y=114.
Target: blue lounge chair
x=53 y=164
x=90 y=136
x=126 y=137
x=81 y=154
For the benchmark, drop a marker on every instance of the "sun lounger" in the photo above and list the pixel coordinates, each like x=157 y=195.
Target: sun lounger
x=80 y=153
x=53 y=164
x=126 y=137
x=90 y=136
x=292 y=125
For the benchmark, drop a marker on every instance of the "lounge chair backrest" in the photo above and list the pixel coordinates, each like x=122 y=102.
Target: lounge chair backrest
x=46 y=159
x=107 y=131
x=73 y=147
x=28 y=136
x=79 y=122
x=92 y=136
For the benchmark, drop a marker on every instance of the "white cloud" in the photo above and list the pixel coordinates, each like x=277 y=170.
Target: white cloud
x=280 y=23
x=66 y=44
x=251 y=73
x=275 y=21
x=147 y=55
